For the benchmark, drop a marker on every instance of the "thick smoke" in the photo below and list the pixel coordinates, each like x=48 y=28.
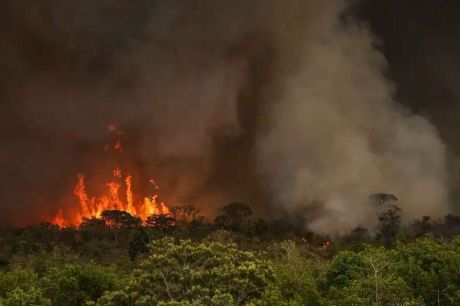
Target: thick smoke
x=283 y=105
x=336 y=136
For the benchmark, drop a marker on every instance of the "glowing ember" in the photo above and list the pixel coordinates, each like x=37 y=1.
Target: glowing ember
x=117 y=146
x=112 y=127
x=117 y=173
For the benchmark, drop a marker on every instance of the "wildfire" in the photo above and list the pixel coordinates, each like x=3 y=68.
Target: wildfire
x=118 y=195
x=90 y=207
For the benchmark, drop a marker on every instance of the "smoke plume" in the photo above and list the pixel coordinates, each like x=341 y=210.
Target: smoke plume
x=280 y=104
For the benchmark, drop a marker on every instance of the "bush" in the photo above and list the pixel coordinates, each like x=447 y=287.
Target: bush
x=72 y=284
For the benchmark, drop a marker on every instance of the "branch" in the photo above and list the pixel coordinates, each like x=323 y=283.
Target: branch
x=166 y=285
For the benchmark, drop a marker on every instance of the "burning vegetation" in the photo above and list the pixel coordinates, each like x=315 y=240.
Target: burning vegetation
x=118 y=195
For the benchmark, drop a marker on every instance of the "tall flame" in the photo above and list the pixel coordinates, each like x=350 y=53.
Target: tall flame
x=90 y=207
x=119 y=195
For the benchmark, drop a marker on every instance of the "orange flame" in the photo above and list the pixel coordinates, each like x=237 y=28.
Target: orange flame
x=59 y=218
x=92 y=207
x=129 y=195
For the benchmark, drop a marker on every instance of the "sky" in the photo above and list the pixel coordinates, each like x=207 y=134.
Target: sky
x=296 y=107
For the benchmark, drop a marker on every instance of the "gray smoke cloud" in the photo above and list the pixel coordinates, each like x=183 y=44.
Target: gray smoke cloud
x=283 y=105
x=337 y=135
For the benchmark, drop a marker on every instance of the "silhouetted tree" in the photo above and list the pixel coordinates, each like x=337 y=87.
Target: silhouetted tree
x=258 y=227
x=359 y=234
x=117 y=219
x=389 y=224
x=419 y=228
x=383 y=199
x=449 y=228
x=234 y=216
x=92 y=223
x=184 y=215
x=164 y=223
x=93 y=228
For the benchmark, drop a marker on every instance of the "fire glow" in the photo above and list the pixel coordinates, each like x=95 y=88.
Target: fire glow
x=92 y=207
x=118 y=195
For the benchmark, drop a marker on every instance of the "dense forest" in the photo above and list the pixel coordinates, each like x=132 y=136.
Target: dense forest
x=237 y=259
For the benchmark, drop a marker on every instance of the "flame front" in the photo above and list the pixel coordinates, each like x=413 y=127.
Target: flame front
x=90 y=207
x=118 y=195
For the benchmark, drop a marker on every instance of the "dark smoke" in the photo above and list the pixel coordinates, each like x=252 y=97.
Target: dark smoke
x=283 y=105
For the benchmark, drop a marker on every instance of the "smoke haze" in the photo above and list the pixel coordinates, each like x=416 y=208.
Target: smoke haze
x=283 y=105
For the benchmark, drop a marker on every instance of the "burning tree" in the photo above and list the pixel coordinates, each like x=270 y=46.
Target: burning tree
x=119 y=195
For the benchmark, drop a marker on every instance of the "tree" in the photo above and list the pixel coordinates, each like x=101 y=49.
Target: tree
x=184 y=273
x=72 y=284
x=184 y=215
x=389 y=224
x=23 y=279
x=345 y=267
x=368 y=278
x=138 y=243
x=92 y=223
x=357 y=238
x=117 y=219
x=30 y=297
x=293 y=280
x=92 y=228
x=378 y=262
x=449 y=228
x=234 y=216
x=381 y=199
x=431 y=268
x=164 y=223
x=419 y=228
x=257 y=228
x=21 y=287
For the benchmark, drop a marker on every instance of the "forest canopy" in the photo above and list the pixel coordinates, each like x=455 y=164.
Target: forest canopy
x=237 y=259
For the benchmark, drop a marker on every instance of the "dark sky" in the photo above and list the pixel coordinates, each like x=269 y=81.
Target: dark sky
x=67 y=68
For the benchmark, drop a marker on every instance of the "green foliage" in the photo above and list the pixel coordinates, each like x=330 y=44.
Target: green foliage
x=29 y=297
x=46 y=265
x=72 y=284
x=221 y=236
x=294 y=279
x=344 y=268
x=368 y=279
x=23 y=279
x=138 y=243
x=431 y=269
x=184 y=272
